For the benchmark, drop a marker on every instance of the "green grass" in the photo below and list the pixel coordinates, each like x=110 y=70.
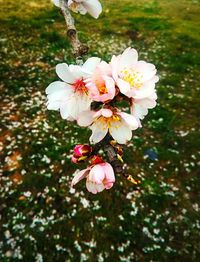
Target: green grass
x=157 y=222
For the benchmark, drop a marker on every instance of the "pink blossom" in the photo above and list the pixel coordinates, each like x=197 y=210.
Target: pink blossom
x=98 y=177
x=101 y=85
x=134 y=78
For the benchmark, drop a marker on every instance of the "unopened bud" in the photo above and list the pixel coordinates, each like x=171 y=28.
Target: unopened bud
x=94 y=160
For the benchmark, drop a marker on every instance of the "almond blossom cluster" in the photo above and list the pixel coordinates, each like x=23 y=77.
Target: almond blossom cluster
x=93 y=7
x=124 y=78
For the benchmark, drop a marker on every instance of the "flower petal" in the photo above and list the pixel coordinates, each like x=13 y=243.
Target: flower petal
x=106 y=112
x=109 y=172
x=64 y=73
x=93 y=7
x=98 y=132
x=138 y=111
x=124 y=86
x=130 y=120
x=85 y=118
x=79 y=175
x=128 y=58
x=91 y=64
x=121 y=132
x=96 y=174
x=58 y=86
x=91 y=187
x=147 y=70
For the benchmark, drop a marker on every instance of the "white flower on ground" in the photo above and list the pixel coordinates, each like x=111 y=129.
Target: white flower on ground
x=98 y=177
x=118 y=124
x=70 y=95
x=93 y=7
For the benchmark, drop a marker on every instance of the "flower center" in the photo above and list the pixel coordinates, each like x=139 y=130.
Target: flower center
x=102 y=90
x=100 y=85
x=79 y=86
x=133 y=77
x=107 y=122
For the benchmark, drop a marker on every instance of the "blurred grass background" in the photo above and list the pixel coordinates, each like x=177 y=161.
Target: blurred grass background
x=40 y=218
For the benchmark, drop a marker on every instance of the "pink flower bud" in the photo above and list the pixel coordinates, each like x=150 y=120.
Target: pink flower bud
x=82 y=150
x=96 y=160
x=98 y=177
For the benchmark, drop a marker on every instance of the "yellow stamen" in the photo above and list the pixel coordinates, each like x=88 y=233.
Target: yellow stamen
x=134 y=78
x=107 y=122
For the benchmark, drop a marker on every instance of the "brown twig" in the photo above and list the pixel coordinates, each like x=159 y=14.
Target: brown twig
x=113 y=158
x=79 y=49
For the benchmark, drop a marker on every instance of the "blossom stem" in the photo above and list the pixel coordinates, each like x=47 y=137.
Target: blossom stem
x=113 y=159
x=79 y=49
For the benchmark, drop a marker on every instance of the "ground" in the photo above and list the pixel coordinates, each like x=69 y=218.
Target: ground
x=42 y=219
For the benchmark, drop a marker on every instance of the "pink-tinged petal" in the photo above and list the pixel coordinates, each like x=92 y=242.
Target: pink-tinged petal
x=105 y=68
x=146 y=102
x=115 y=66
x=147 y=70
x=91 y=187
x=93 y=7
x=85 y=118
x=124 y=86
x=106 y=112
x=145 y=91
x=130 y=120
x=109 y=172
x=121 y=132
x=98 y=132
x=128 y=58
x=96 y=174
x=91 y=64
x=64 y=73
x=100 y=187
x=110 y=85
x=139 y=111
x=58 y=86
x=79 y=175
x=108 y=185
x=98 y=113
x=64 y=110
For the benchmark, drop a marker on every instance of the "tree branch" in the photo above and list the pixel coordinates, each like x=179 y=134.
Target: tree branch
x=79 y=49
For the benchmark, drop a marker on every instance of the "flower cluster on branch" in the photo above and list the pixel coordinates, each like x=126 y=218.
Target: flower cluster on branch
x=91 y=94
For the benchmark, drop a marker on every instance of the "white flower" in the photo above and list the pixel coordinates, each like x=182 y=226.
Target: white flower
x=118 y=124
x=136 y=80
x=71 y=96
x=93 y=7
x=139 y=107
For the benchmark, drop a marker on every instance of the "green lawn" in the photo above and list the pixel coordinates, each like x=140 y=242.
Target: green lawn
x=41 y=218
